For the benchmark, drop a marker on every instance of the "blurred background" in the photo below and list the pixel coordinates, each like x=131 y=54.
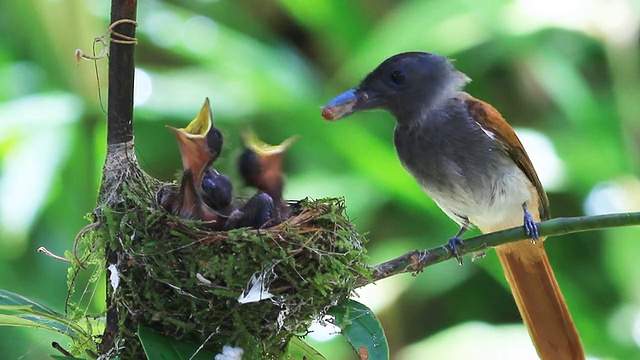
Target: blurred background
x=564 y=73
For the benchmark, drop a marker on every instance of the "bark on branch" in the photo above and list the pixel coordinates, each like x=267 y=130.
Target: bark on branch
x=120 y=160
x=121 y=69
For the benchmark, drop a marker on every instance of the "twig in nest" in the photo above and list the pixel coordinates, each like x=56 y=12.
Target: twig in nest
x=80 y=234
x=203 y=280
x=59 y=347
x=45 y=251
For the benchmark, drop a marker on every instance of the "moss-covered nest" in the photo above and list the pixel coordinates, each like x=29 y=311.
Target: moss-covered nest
x=184 y=281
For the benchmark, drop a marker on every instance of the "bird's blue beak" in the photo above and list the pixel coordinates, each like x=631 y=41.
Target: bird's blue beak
x=347 y=103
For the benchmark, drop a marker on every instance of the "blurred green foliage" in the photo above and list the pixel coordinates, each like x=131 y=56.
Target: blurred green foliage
x=566 y=71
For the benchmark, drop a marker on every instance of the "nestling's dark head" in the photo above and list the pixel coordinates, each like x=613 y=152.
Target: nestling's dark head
x=262 y=171
x=249 y=166
x=406 y=85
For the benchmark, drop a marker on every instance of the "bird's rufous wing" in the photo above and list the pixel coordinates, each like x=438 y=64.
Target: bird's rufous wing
x=491 y=120
x=526 y=265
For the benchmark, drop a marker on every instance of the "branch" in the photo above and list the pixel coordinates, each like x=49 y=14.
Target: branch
x=120 y=156
x=415 y=261
x=121 y=68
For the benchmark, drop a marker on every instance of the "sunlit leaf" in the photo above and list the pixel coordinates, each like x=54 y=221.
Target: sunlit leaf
x=13 y=301
x=35 y=323
x=300 y=350
x=362 y=329
x=28 y=313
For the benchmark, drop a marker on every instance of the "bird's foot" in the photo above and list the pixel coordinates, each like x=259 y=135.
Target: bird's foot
x=454 y=244
x=530 y=226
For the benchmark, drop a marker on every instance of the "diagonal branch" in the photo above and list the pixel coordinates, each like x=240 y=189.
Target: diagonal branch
x=415 y=261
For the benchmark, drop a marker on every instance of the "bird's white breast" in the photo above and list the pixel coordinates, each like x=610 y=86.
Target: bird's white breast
x=491 y=204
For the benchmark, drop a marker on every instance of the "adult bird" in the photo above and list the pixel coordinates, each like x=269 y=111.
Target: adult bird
x=467 y=158
x=200 y=144
x=260 y=166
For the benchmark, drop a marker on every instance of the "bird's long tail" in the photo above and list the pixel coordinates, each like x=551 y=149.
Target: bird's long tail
x=540 y=301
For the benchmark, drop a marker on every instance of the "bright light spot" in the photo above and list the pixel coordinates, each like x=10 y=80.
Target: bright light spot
x=38 y=111
x=323 y=330
x=605 y=198
x=163 y=28
x=36 y=141
x=624 y=325
x=381 y=294
x=27 y=172
x=143 y=87
x=200 y=34
x=613 y=196
x=548 y=165
x=535 y=14
x=635 y=330
x=481 y=341
x=615 y=20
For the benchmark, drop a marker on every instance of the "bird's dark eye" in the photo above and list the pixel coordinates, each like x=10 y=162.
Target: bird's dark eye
x=398 y=77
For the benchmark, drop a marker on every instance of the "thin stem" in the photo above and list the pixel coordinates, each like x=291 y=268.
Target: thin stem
x=415 y=261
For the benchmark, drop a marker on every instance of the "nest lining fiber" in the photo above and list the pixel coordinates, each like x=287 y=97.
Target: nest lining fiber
x=184 y=282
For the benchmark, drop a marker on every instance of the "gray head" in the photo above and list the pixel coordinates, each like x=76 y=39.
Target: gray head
x=406 y=85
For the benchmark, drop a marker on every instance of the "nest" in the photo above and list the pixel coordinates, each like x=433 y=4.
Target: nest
x=184 y=281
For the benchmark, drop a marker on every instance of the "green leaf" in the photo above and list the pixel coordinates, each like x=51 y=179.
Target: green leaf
x=33 y=322
x=160 y=347
x=300 y=350
x=37 y=322
x=362 y=330
x=12 y=301
x=34 y=315
x=62 y=357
